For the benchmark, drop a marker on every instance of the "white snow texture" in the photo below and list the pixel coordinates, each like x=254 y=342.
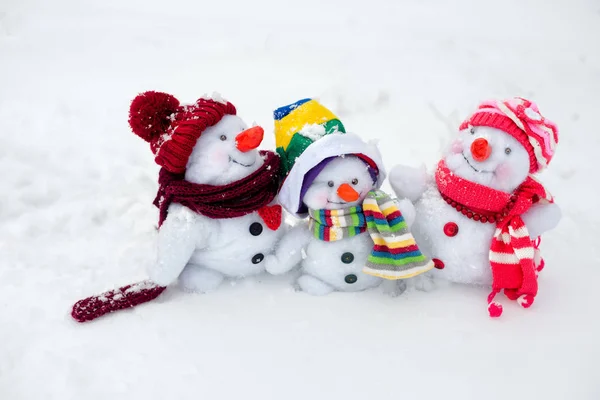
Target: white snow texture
x=77 y=187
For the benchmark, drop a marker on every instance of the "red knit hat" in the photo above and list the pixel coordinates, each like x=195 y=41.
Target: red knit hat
x=173 y=129
x=520 y=118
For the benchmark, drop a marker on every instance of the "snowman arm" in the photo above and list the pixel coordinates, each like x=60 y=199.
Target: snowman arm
x=177 y=239
x=288 y=252
x=408 y=182
x=409 y=213
x=542 y=218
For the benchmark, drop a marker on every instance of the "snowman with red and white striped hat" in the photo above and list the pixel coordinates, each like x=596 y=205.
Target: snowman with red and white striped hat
x=482 y=213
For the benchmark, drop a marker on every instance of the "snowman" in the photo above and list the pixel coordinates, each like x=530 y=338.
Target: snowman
x=482 y=213
x=216 y=198
x=329 y=175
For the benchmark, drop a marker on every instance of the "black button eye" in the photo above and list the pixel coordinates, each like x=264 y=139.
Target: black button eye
x=330 y=183
x=256 y=229
x=472 y=130
x=347 y=258
x=507 y=150
x=350 y=278
x=355 y=181
x=258 y=258
x=223 y=138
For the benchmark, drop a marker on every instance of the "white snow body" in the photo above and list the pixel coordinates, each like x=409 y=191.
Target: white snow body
x=200 y=251
x=465 y=255
x=325 y=271
x=212 y=249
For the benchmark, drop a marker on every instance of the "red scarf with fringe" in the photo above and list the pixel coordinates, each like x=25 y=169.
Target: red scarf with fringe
x=514 y=257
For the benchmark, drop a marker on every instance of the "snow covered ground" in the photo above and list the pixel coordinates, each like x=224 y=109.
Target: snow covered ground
x=76 y=190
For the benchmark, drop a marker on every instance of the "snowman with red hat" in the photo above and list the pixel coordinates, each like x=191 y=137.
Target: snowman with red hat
x=216 y=199
x=356 y=236
x=481 y=215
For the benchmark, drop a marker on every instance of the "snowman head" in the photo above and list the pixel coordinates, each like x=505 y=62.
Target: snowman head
x=225 y=152
x=343 y=182
x=320 y=160
x=205 y=141
x=490 y=157
x=501 y=143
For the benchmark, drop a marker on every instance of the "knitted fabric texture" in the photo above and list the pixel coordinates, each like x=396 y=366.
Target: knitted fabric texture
x=114 y=300
x=228 y=201
x=173 y=129
x=299 y=124
x=334 y=225
x=520 y=118
x=513 y=256
x=395 y=254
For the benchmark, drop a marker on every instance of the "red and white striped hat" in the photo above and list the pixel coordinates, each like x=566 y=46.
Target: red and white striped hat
x=520 y=118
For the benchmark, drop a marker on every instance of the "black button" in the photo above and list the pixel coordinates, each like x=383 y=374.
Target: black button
x=256 y=229
x=347 y=258
x=258 y=258
x=351 y=278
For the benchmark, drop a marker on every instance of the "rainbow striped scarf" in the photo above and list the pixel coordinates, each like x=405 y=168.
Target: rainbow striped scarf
x=333 y=225
x=395 y=252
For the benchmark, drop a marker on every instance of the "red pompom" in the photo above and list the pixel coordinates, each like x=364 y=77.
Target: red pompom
x=495 y=309
x=149 y=114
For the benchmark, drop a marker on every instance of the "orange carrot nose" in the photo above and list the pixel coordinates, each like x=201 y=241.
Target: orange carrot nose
x=347 y=193
x=480 y=149
x=249 y=139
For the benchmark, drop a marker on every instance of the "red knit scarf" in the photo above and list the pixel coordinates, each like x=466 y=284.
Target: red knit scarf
x=512 y=252
x=236 y=199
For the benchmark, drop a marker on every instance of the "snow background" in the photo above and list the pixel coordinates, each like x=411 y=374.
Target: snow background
x=76 y=191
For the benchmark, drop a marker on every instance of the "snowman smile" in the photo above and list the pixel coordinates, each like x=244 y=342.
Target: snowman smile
x=239 y=163
x=475 y=169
